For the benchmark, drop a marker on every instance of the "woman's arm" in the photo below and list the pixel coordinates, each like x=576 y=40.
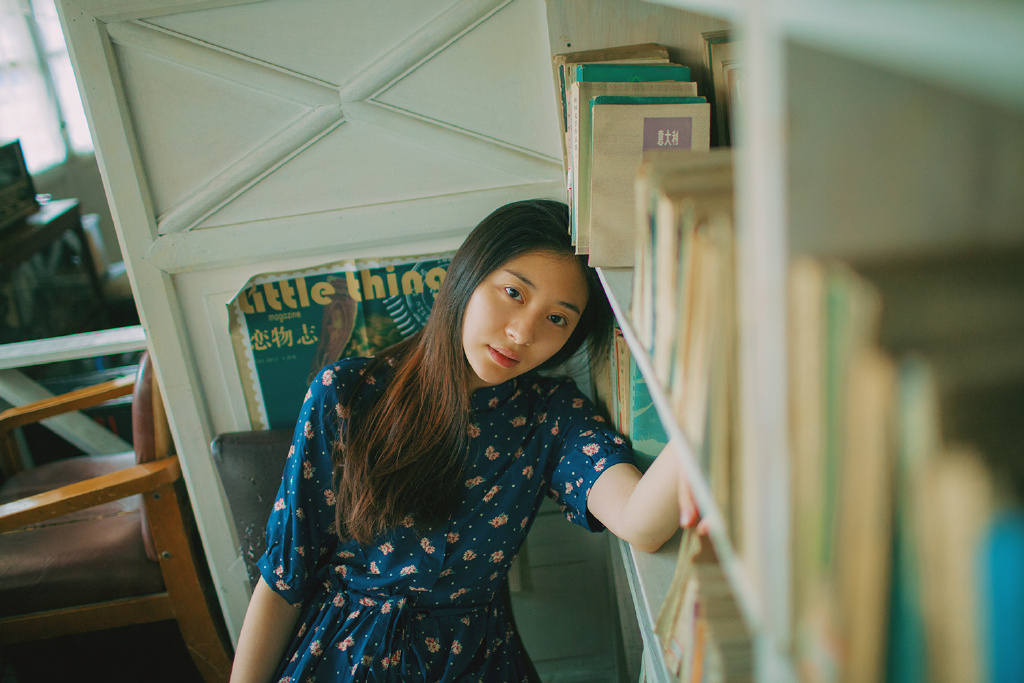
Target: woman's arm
x=268 y=625
x=645 y=511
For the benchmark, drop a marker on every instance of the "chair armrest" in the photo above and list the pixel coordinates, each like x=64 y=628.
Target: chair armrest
x=65 y=403
x=85 y=494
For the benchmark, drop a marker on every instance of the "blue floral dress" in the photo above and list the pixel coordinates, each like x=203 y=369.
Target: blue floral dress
x=413 y=607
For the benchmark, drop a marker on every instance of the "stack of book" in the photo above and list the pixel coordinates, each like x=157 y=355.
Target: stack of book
x=616 y=104
x=906 y=386
x=704 y=636
x=622 y=389
x=683 y=304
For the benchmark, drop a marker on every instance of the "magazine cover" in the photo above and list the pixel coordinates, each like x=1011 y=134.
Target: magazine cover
x=286 y=326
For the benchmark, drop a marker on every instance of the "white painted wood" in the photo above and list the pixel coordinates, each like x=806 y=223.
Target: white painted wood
x=477 y=83
x=649 y=576
x=120 y=10
x=80 y=431
x=761 y=263
x=361 y=230
x=250 y=169
x=429 y=40
x=482 y=150
x=172 y=79
x=916 y=37
x=347 y=38
x=125 y=182
x=72 y=347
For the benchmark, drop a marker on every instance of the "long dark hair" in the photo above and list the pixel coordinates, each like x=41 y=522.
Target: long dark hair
x=402 y=455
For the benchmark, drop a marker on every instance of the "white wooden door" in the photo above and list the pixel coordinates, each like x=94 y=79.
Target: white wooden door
x=238 y=138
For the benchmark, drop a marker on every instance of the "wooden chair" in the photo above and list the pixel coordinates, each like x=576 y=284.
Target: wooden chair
x=80 y=551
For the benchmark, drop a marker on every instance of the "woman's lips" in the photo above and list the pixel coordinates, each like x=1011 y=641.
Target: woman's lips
x=504 y=358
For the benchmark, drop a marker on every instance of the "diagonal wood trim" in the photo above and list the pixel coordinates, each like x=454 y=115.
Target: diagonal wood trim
x=250 y=169
x=61 y=622
x=85 y=494
x=473 y=147
x=121 y=10
x=435 y=36
x=207 y=58
x=65 y=403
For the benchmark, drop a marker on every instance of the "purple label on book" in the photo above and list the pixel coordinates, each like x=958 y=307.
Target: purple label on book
x=674 y=132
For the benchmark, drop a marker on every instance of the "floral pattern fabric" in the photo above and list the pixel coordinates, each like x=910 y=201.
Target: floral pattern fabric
x=421 y=606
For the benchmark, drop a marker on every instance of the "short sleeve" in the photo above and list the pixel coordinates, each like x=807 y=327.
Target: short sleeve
x=301 y=523
x=587 y=448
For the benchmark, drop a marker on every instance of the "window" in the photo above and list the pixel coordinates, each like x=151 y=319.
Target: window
x=39 y=99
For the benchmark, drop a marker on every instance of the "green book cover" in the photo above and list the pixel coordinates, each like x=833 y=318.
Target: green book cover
x=632 y=73
x=646 y=431
x=626 y=99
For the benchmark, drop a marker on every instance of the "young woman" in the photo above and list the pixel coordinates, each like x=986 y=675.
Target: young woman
x=415 y=475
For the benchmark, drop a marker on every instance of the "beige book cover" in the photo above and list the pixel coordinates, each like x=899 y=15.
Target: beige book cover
x=580 y=138
x=621 y=135
x=864 y=557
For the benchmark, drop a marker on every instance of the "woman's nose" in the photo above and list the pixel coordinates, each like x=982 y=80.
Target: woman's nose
x=521 y=329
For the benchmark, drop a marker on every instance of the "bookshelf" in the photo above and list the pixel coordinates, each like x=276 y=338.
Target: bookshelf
x=873 y=130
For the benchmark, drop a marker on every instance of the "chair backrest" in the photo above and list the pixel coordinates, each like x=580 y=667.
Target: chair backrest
x=250 y=465
x=150 y=431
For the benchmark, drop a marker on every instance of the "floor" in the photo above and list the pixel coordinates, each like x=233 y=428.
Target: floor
x=149 y=653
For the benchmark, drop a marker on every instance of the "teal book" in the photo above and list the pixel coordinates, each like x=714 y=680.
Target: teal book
x=628 y=99
x=632 y=73
x=1002 y=587
x=646 y=431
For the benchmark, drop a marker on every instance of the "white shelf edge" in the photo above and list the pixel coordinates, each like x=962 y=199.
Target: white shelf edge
x=618 y=286
x=649 y=576
x=914 y=37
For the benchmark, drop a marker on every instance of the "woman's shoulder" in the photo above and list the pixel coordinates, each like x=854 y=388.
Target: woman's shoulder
x=340 y=376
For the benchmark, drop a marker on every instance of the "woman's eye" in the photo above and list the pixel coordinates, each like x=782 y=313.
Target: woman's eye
x=558 y=320
x=514 y=293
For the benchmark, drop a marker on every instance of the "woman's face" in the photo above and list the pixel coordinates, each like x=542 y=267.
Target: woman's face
x=521 y=315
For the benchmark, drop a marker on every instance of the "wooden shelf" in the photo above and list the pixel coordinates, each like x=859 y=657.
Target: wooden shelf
x=650 y=574
x=914 y=37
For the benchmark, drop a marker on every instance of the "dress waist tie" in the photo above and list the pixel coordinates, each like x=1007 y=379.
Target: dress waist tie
x=391 y=633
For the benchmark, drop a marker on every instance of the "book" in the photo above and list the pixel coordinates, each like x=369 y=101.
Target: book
x=725 y=75
x=1002 y=595
x=632 y=407
x=631 y=73
x=623 y=128
x=580 y=139
x=956 y=507
x=865 y=504
x=646 y=433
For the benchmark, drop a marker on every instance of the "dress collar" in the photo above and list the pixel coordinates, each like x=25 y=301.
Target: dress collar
x=494 y=397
